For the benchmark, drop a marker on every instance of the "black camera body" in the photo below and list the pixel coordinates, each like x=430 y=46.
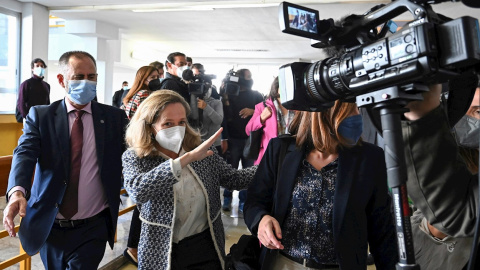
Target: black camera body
x=426 y=50
x=231 y=85
x=198 y=85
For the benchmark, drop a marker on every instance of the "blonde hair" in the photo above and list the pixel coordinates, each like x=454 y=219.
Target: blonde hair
x=319 y=130
x=139 y=136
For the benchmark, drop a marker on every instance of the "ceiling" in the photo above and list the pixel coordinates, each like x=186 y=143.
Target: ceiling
x=227 y=30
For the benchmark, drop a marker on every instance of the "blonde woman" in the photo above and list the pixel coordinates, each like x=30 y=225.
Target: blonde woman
x=177 y=180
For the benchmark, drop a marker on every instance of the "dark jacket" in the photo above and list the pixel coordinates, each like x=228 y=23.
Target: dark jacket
x=32 y=92
x=117 y=99
x=439 y=183
x=174 y=83
x=361 y=212
x=45 y=143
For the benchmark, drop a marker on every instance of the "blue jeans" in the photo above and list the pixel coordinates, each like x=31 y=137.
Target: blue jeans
x=235 y=147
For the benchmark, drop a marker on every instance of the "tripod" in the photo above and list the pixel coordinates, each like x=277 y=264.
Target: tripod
x=390 y=103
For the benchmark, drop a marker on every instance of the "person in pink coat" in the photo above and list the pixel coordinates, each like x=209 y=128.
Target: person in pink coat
x=273 y=117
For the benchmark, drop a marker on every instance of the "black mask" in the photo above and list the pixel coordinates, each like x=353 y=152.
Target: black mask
x=245 y=83
x=154 y=85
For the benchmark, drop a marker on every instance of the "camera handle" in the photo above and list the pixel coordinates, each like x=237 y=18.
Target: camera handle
x=390 y=102
x=196 y=116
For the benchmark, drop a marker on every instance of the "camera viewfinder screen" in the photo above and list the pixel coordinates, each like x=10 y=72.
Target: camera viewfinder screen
x=302 y=20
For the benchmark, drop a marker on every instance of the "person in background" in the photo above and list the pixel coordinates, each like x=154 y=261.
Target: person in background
x=74 y=145
x=274 y=119
x=238 y=110
x=177 y=179
x=189 y=61
x=145 y=78
x=197 y=70
x=159 y=67
x=211 y=109
x=33 y=91
x=328 y=201
x=120 y=95
x=176 y=63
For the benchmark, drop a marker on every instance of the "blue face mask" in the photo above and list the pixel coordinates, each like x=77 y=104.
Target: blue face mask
x=125 y=88
x=81 y=92
x=39 y=71
x=351 y=128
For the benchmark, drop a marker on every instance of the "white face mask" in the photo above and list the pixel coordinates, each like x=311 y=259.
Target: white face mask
x=171 y=138
x=181 y=69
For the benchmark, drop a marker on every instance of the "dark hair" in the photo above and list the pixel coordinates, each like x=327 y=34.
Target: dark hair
x=171 y=57
x=36 y=60
x=274 y=89
x=189 y=59
x=199 y=67
x=241 y=72
x=124 y=82
x=63 y=61
x=156 y=64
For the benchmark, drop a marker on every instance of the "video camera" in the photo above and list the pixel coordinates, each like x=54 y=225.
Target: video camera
x=198 y=85
x=430 y=49
x=231 y=83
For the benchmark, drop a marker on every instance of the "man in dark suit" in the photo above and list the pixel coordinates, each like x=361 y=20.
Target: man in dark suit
x=71 y=210
x=119 y=95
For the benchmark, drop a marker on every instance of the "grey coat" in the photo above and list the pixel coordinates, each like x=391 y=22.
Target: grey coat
x=212 y=119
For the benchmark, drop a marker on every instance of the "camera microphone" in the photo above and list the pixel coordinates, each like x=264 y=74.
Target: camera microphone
x=187 y=75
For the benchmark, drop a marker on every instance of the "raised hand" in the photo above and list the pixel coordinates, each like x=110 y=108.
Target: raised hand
x=266 y=113
x=200 y=152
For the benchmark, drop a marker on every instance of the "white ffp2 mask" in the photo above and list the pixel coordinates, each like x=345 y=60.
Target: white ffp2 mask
x=171 y=138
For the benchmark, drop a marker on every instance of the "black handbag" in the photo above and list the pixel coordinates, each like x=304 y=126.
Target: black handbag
x=252 y=145
x=245 y=254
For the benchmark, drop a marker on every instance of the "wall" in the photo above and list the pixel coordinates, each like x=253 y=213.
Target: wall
x=10 y=131
x=34 y=35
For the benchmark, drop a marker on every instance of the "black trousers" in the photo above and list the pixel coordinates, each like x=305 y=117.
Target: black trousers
x=196 y=252
x=79 y=248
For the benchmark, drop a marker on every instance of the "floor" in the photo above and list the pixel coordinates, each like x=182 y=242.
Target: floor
x=233 y=223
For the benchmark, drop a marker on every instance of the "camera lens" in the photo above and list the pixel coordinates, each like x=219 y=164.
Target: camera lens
x=323 y=81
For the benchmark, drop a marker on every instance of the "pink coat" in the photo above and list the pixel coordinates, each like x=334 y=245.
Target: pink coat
x=270 y=128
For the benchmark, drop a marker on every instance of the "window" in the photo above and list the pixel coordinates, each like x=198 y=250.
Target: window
x=9 y=60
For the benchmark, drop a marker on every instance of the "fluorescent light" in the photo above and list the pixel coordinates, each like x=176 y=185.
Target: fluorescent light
x=195 y=8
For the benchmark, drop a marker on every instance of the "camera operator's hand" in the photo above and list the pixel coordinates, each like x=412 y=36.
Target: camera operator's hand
x=201 y=104
x=200 y=152
x=269 y=232
x=431 y=100
x=246 y=112
x=266 y=113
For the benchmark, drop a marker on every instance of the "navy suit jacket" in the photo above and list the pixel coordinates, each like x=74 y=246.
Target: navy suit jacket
x=361 y=208
x=45 y=143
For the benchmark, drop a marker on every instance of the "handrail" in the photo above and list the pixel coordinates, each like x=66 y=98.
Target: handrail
x=25 y=260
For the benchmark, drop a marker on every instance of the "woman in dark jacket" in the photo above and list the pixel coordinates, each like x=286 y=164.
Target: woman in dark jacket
x=328 y=202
